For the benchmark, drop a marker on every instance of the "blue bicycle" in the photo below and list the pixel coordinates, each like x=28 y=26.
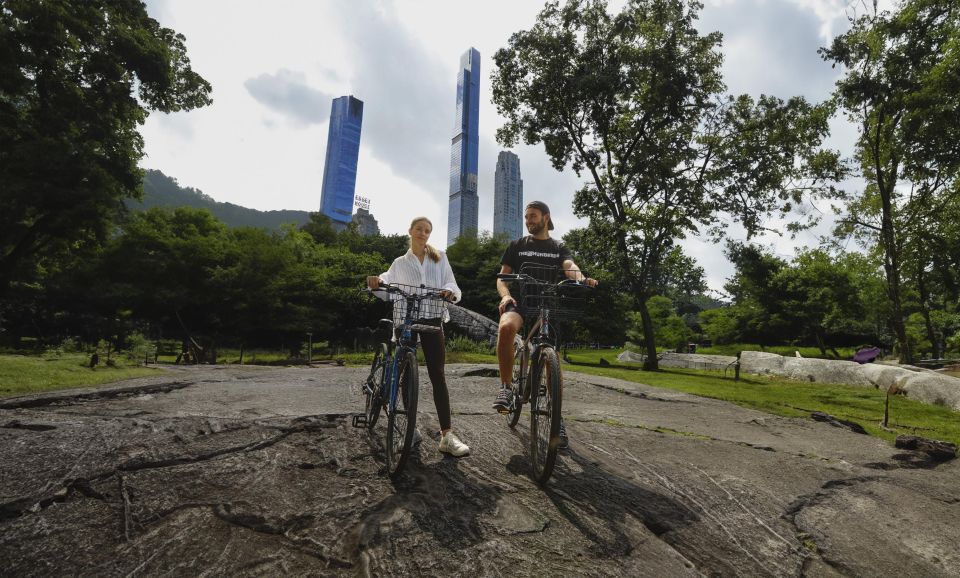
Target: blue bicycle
x=392 y=385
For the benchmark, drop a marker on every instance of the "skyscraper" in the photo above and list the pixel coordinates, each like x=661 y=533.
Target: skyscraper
x=340 y=170
x=463 y=215
x=508 y=196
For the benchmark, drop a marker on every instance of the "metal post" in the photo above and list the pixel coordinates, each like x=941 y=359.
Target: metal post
x=309 y=347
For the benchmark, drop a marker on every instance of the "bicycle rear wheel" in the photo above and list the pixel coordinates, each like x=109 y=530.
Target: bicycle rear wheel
x=519 y=375
x=545 y=403
x=402 y=420
x=374 y=397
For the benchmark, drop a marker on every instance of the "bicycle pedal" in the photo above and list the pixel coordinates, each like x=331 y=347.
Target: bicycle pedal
x=359 y=420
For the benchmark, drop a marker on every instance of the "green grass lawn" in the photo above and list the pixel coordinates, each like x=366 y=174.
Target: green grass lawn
x=20 y=374
x=787 y=397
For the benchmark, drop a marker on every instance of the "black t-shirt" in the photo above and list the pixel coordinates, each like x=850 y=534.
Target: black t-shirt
x=539 y=258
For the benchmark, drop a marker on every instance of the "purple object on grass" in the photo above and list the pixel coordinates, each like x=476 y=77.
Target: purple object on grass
x=866 y=355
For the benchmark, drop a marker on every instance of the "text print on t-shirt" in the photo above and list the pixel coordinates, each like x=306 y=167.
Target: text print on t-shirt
x=539 y=254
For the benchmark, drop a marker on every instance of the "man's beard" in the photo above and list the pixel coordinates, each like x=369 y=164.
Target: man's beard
x=537 y=228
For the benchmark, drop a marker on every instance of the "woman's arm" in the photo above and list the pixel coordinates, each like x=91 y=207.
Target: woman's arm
x=447 y=280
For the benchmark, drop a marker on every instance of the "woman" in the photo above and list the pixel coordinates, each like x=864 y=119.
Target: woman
x=424 y=265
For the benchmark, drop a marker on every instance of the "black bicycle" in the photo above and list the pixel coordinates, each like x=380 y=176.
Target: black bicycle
x=392 y=385
x=537 y=379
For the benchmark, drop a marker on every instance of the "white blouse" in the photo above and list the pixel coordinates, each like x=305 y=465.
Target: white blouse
x=408 y=270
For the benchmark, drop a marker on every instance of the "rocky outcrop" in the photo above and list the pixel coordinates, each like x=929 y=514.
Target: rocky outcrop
x=920 y=384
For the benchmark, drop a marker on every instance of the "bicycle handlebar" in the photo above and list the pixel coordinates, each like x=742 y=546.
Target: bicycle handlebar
x=523 y=277
x=390 y=288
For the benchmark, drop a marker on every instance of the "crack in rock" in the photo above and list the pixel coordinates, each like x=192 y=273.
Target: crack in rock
x=167 y=387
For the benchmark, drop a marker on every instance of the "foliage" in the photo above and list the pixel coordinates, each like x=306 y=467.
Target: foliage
x=816 y=298
x=633 y=100
x=475 y=263
x=901 y=87
x=669 y=328
x=462 y=344
x=75 y=82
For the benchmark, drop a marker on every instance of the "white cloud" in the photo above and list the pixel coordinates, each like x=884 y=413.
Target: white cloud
x=274 y=68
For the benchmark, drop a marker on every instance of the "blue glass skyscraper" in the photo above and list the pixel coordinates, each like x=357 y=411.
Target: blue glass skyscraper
x=508 y=196
x=340 y=170
x=463 y=215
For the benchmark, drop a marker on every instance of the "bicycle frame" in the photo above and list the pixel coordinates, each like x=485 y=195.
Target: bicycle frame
x=407 y=342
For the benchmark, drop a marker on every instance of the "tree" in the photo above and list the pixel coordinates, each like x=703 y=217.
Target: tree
x=633 y=100
x=76 y=79
x=475 y=262
x=901 y=87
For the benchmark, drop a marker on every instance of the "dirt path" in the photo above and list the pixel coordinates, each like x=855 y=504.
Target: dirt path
x=254 y=471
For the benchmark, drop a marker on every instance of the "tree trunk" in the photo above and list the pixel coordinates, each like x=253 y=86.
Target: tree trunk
x=650 y=361
x=924 y=300
x=821 y=344
x=891 y=267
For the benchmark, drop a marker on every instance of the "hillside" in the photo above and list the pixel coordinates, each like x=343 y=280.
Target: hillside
x=159 y=190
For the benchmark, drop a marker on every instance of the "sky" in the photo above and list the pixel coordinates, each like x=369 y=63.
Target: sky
x=275 y=67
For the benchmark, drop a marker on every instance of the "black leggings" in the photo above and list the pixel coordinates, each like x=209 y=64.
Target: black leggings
x=435 y=352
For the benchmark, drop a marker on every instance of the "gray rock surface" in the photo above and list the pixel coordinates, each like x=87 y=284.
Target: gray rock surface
x=252 y=471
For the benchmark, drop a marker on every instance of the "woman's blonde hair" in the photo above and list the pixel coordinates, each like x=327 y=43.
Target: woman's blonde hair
x=430 y=249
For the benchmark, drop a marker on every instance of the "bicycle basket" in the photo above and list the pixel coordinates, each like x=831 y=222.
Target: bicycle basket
x=540 y=291
x=427 y=310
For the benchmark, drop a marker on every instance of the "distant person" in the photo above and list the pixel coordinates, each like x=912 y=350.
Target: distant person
x=538 y=249
x=424 y=265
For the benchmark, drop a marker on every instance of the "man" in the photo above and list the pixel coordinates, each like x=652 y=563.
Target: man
x=538 y=249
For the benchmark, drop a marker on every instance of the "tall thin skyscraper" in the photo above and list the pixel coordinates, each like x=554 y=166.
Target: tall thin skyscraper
x=463 y=216
x=340 y=170
x=508 y=196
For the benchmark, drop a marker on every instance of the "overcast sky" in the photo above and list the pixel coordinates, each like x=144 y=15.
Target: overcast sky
x=275 y=66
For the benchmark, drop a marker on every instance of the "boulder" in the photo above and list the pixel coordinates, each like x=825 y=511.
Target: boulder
x=933 y=388
x=761 y=363
x=824 y=371
x=883 y=376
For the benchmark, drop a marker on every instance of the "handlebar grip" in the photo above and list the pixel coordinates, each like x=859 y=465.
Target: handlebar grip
x=508 y=276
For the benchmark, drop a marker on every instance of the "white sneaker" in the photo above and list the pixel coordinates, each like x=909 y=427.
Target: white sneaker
x=451 y=444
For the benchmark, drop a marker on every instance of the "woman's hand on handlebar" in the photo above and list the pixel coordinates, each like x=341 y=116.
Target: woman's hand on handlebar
x=373 y=282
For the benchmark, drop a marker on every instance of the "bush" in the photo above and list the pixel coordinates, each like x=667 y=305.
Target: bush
x=462 y=344
x=139 y=349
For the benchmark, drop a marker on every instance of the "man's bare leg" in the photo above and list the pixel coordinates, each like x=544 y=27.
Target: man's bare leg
x=510 y=323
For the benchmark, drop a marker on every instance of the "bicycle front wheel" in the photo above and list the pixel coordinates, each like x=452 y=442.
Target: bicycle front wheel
x=402 y=419
x=545 y=402
x=374 y=397
x=519 y=377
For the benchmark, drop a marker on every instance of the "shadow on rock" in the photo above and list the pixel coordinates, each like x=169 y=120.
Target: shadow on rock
x=436 y=500
x=604 y=507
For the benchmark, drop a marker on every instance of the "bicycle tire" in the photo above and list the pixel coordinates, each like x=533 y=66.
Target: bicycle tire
x=545 y=415
x=519 y=371
x=374 y=399
x=402 y=420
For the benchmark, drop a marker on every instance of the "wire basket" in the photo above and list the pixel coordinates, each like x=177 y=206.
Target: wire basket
x=540 y=291
x=427 y=311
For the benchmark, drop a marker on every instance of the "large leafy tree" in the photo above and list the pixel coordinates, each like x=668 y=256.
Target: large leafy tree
x=901 y=86
x=76 y=80
x=634 y=102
